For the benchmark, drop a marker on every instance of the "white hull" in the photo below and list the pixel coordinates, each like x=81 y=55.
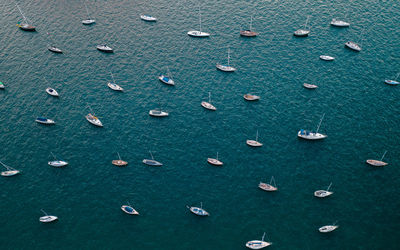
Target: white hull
x=129 y=210
x=309 y=86
x=104 y=48
x=339 y=23
x=168 y=82
x=249 y=97
x=198 y=211
x=52 y=92
x=311 y=135
x=195 y=33
x=9 y=173
x=114 y=86
x=158 y=113
x=327 y=228
x=376 y=163
x=225 y=68
x=208 y=106
x=1 y=86
x=58 y=164
x=267 y=187
x=148 y=18
x=353 y=46
x=88 y=21
x=214 y=162
x=322 y=193
x=48 y=218
x=94 y=120
x=54 y=49
x=301 y=33
x=327 y=58
x=257 y=244
x=253 y=143
x=46 y=122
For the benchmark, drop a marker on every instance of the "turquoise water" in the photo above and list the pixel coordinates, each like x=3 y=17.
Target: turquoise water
x=361 y=121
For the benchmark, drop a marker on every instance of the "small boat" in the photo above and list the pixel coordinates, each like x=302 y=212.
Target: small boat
x=198 y=33
x=226 y=68
x=353 y=46
x=44 y=120
x=55 y=49
x=52 y=92
x=215 y=162
x=250 y=97
x=268 y=187
x=327 y=228
x=129 y=209
x=152 y=162
x=148 y=18
x=309 y=86
x=257 y=244
x=393 y=82
x=158 y=113
x=377 y=163
x=208 y=105
x=327 y=58
x=113 y=85
x=308 y=135
x=323 y=193
x=339 y=23
x=249 y=32
x=25 y=25
x=167 y=79
x=9 y=172
x=302 y=32
x=119 y=162
x=1 y=85
x=57 y=163
x=105 y=48
x=88 y=21
x=93 y=120
x=254 y=143
x=198 y=210
x=47 y=218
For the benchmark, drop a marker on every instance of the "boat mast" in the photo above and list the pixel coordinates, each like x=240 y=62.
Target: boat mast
x=112 y=76
x=200 y=19
x=257 y=136
x=251 y=20
x=320 y=123
x=383 y=155
x=217 y=155
x=87 y=11
x=53 y=155
x=329 y=186
x=305 y=26
x=209 y=97
x=263 y=237
x=151 y=155
x=119 y=156
x=44 y=212
x=21 y=13
x=228 y=56
x=397 y=76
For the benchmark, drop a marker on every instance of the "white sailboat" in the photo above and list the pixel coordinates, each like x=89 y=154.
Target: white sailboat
x=309 y=86
x=47 y=218
x=270 y=187
x=9 y=172
x=254 y=143
x=167 y=79
x=57 y=163
x=215 y=161
x=226 y=68
x=148 y=18
x=339 y=23
x=152 y=162
x=354 y=46
x=302 y=32
x=393 y=82
x=308 y=135
x=44 y=120
x=250 y=97
x=2 y=85
x=104 y=48
x=328 y=228
x=326 y=58
x=323 y=193
x=208 y=105
x=113 y=85
x=88 y=21
x=129 y=209
x=52 y=92
x=198 y=33
x=258 y=244
x=93 y=119
x=378 y=163
x=25 y=24
x=198 y=210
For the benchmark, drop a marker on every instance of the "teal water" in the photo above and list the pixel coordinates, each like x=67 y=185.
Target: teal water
x=361 y=122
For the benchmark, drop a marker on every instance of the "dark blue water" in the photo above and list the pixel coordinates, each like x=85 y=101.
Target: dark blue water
x=361 y=121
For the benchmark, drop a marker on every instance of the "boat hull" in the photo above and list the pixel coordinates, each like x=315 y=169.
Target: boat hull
x=327 y=229
x=208 y=106
x=376 y=163
x=392 y=82
x=129 y=210
x=9 y=173
x=58 y=164
x=27 y=27
x=301 y=33
x=225 y=68
x=248 y=33
x=253 y=143
x=267 y=187
x=88 y=21
x=55 y=50
x=200 y=34
x=152 y=163
x=119 y=163
x=257 y=244
x=249 y=97
x=214 y=162
x=322 y=193
x=352 y=46
x=48 y=218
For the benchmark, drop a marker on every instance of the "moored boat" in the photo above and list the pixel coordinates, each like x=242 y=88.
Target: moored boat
x=198 y=33
x=167 y=79
x=89 y=20
x=323 y=193
x=45 y=121
x=113 y=85
x=158 y=113
x=9 y=172
x=302 y=32
x=393 y=82
x=249 y=32
x=309 y=86
x=94 y=120
x=309 y=135
x=339 y=23
x=52 y=92
x=327 y=228
x=148 y=18
x=47 y=218
x=152 y=162
x=129 y=209
x=270 y=187
x=208 y=105
x=215 y=161
x=198 y=210
x=104 y=48
x=326 y=58
x=258 y=244
x=254 y=143
x=55 y=49
x=119 y=162
x=1 y=85
x=378 y=163
x=353 y=46
x=226 y=68
x=57 y=163
x=250 y=97
x=25 y=25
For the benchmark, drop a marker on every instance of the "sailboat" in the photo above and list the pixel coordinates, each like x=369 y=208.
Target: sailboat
x=393 y=82
x=215 y=161
x=148 y=18
x=309 y=86
x=328 y=228
x=354 y=46
x=198 y=33
x=9 y=172
x=268 y=187
x=250 y=97
x=152 y=162
x=52 y=92
x=323 y=193
x=377 y=163
x=47 y=218
x=249 y=32
x=208 y=105
x=254 y=143
x=339 y=23
x=129 y=209
x=198 y=210
x=258 y=244
x=167 y=79
x=326 y=58
x=226 y=68
x=104 y=48
x=113 y=85
x=308 y=135
x=53 y=48
x=302 y=32
x=25 y=24
x=119 y=162
x=57 y=163
x=44 y=120
x=88 y=21
x=93 y=119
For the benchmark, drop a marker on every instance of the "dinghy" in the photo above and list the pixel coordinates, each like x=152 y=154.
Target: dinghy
x=309 y=86
x=308 y=135
x=167 y=79
x=93 y=120
x=113 y=85
x=208 y=105
x=57 y=163
x=158 y=113
x=1 y=85
x=393 y=82
x=323 y=193
x=302 y=32
x=254 y=143
x=378 y=163
x=327 y=228
x=249 y=32
x=250 y=97
x=327 y=58
x=47 y=218
x=88 y=21
x=152 y=162
x=55 y=49
x=353 y=46
x=339 y=23
x=268 y=187
x=148 y=18
x=198 y=210
x=25 y=25
x=214 y=161
x=52 y=92
x=119 y=162
x=129 y=209
x=226 y=68
x=104 y=48
x=198 y=33
x=9 y=172
x=44 y=120
x=258 y=244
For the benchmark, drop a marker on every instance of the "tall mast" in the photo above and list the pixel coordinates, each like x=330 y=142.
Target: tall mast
x=228 y=56
x=251 y=20
x=21 y=13
x=305 y=26
x=320 y=123
x=200 y=19
x=383 y=155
